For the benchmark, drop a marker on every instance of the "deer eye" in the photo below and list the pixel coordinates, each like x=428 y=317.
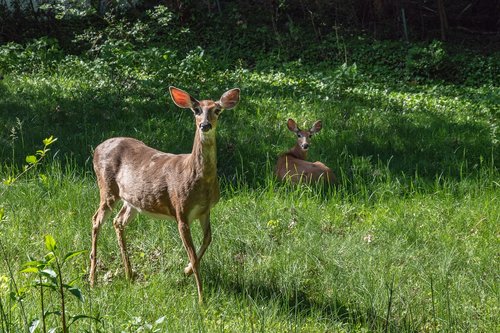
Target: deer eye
x=197 y=110
x=299 y=135
x=217 y=111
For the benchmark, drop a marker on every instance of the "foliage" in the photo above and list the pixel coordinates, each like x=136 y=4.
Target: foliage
x=49 y=272
x=66 y=9
x=17 y=294
x=286 y=258
x=404 y=244
x=426 y=61
x=121 y=34
x=39 y=54
x=302 y=20
x=32 y=160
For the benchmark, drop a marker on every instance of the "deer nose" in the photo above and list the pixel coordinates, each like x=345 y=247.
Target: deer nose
x=305 y=146
x=205 y=127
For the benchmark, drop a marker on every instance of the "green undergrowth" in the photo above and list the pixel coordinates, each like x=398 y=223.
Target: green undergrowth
x=427 y=129
x=406 y=242
x=399 y=253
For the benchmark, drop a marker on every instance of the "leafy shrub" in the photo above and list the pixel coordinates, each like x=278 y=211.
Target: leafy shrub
x=473 y=69
x=427 y=61
x=40 y=54
x=156 y=28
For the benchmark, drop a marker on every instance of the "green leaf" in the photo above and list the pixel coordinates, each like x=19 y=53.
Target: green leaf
x=9 y=181
x=78 y=317
x=49 y=257
x=31 y=159
x=50 y=243
x=48 y=313
x=34 y=263
x=49 y=141
x=49 y=285
x=29 y=270
x=19 y=295
x=76 y=292
x=72 y=254
x=43 y=178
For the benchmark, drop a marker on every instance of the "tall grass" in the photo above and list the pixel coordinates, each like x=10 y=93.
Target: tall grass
x=408 y=241
x=404 y=255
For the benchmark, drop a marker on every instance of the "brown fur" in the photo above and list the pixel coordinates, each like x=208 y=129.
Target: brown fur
x=182 y=187
x=292 y=165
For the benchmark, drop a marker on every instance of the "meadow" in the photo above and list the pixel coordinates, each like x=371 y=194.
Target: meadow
x=407 y=242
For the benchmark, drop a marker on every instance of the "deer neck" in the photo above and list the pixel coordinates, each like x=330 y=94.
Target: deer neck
x=298 y=152
x=204 y=154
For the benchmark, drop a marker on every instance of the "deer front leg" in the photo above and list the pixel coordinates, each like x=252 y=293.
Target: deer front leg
x=97 y=220
x=207 y=239
x=125 y=215
x=187 y=240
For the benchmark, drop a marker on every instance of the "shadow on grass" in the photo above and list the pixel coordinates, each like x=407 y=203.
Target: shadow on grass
x=252 y=135
x=300 y=303
x=82 y=121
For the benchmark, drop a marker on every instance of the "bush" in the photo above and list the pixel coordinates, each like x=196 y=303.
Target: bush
x=426 y=61
x=42 y=53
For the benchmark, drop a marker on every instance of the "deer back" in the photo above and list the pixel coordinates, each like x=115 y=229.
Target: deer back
x=150 y=180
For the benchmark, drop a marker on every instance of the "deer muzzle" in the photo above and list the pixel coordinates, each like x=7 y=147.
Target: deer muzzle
x=205 y=126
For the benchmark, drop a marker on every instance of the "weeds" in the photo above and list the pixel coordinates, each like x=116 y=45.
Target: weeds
x=49 y=272
x=403 y=244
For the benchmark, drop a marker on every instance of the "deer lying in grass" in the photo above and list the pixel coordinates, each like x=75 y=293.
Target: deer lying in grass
x=292 y=165
x=183 y=187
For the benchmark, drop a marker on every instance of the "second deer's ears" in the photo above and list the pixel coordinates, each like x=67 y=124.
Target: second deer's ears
x=316 y=127
x=182 y=99
x=229 y=99
x=292 y=125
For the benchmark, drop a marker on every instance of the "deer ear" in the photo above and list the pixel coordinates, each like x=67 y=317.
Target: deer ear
x=229 y=99
x=182 y=99
x=292 y=125
x=316 y=127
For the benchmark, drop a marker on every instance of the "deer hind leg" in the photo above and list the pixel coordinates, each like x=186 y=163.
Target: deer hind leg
x=207 y=239
x=125 y=215
x=187 y=240
x=105 y=207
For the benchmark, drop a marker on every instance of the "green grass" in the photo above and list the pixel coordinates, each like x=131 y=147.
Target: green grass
x=407 y=243
x=282 y=259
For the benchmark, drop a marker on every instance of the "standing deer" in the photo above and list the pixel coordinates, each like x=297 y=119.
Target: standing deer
x=292 y=164
x=183 y=187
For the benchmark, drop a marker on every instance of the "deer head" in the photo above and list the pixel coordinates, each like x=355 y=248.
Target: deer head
x=304 y=136
x=206 y=112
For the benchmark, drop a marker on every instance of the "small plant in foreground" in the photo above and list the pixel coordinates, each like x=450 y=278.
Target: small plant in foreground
x=49 y=272
x=17 y=294
x=33 y=160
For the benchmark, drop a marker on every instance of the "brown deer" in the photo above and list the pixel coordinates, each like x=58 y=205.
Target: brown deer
x=183 y=187
x=292 y=165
